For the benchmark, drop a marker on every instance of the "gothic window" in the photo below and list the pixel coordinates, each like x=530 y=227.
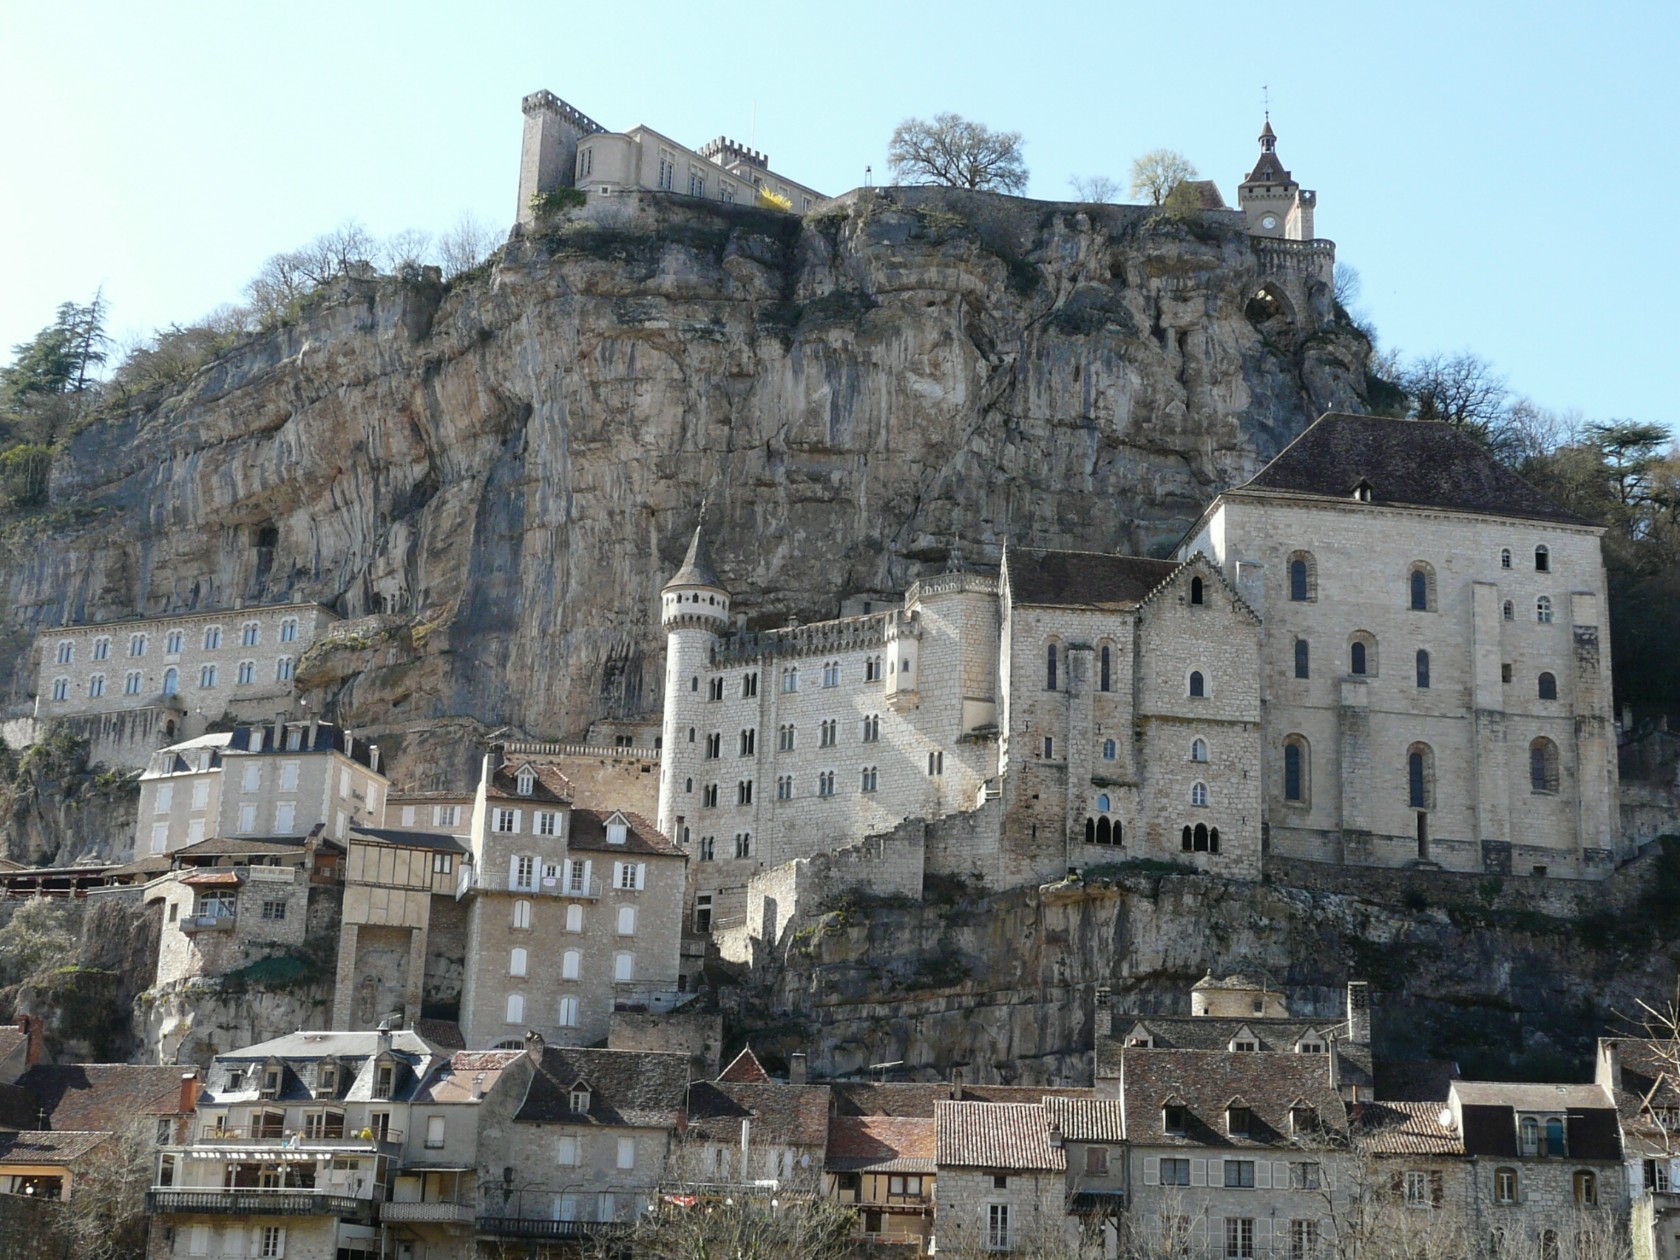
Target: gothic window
x=1543 y=609
x=1504 y=557
x=709 y=796
x=1362 y=654
x=870 y=779
x=1198 y=749
x=825 y=783
x=743 y=792
x=1104 y=669
x=714 y=745
x=1421 y=588
x=743 y=844
x=936 y=763
x=748 y=742
x=829 y=730
x=67 y=651
x=212 y=638
x=784 y=787
x=1420 y=777
x=1050 y=667
x=171 y=681
x=708 y=848
x=96 y=686
x=749 y=686
x=1303 y=577
x=1198 y=684
x=714 y=688
x=247 y=672
x=1542 y=559
x=1548 y=686
x=207 y=677
x=1509 y=611
x=1108 y=750
x=1102 y=803
x=137 y=645
x=1296 y=763
x=1543 y=765
x=784 y=738
x=1105 y=831
x=1196 y=591
x=1301 y=659
x=1422 y=670
x=872 y=728
x=1199 y=794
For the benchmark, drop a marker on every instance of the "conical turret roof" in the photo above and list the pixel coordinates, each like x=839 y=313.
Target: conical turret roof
x=696 y=566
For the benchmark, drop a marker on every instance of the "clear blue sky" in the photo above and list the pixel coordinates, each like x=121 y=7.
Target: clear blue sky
x=1501 y=174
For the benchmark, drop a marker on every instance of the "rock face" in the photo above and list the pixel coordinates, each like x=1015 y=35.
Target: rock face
x=512 y=465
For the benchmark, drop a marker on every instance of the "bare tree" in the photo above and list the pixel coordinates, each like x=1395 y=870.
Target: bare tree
x=1346 y=284
x=958 y=153
x=1095 y=188
x=408 y=250
x=108 y=1219
x=1158 y=172
x=465 y=245
x=1460 y=389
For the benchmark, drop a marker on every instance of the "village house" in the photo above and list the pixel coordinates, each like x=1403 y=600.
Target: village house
x=1639 y=1072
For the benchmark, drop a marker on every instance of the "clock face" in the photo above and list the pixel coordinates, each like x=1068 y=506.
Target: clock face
x=1269 y=222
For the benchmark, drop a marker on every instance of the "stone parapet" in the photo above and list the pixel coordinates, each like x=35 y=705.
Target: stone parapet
x=546 y=102
x=844 y=634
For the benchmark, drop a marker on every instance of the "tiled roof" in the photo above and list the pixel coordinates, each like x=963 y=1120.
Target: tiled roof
x=1407 y=1128
x=903 y=1098
x=548 y=784
x=1081 y=579
x=455 y=1079
x=19 y=1109
x=301 y=1057
x=1088 y=1119
x=103 y=1097
x=1206 y=1082
x=881 y=1144
x=445 y=1034
x=1236 y=982
x=1023 y=1093
x=1206 y=193
x=214 y=879
x=1005 y=1136
x=639 y=1088
x=791 y=1115
x=1409 y=463
x=744 y=1069
x=1648 y=1081
x=589 y=831
x=1209 y=1032
x=226 y=846
x=433 y=840
x=1423 y=1080
x=56 y=1146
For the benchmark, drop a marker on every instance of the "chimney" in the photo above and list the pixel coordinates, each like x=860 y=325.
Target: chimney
x=1359 y=1012
x=1610 y=1063
x=373 y=758
x=1356 y=1112
x=956 y=1084
x=1104 y=1026
x=478 y=1086
x=309 y=738
x=534 y=1046
x=34 y=1029
x=796 y=1068
x=189 y=1093
x=384 y=1038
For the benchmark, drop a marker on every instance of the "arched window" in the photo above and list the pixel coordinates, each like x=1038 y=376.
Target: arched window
x=1543 y=765
x=1198 y=684
x=1504 y=557
x=1422 y=587
x=574 y=916
x=516 y=962
x=571 y=963
x=1213 y=839
x=1548 y=686
x=1090 y=831
x=1358 y=658
x=1509 y=610
x=1104 y=680
x=1542 y=559
x=1420 y=777
x=515 y=1008
x=1199 y=794
x=1303 y=577
x=1199 y=841
x=1296 y=766
x=1543 y=609
x=171 y=681
x=1050 y=668
x=1102 y=803
x=1301 y=661
x=1529 y=1130
x=1103 y=832
x=1196 y=594
x=1198 y=749
x=1554 y=1136
x=1187 y=839
x=1108 y=750
x=1423 y=670
x=1362 y=653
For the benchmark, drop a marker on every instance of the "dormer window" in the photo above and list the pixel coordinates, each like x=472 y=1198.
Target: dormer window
x=384 y=1080
x=327 y=1085
x=235 y=1081
x=526 y=781
x=1238 y=1119
x=271 y=1081
x=1309 y=1045
x=1362 y=491
x=1174 y=1117
x=580 y=1099
x=1244 y=1045
x=1303 y=1118
x=616 y=832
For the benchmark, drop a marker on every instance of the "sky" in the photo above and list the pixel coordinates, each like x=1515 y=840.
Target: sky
x=1500 y=174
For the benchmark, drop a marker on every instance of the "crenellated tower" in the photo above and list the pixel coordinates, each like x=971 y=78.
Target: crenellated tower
x=694 y=610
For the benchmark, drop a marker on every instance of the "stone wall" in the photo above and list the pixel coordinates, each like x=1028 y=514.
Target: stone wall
x=696 y=1032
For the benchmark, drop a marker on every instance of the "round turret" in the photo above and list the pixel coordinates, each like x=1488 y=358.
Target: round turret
x=692 y=599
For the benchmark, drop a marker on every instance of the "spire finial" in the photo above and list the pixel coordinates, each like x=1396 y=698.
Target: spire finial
x=1266 y=100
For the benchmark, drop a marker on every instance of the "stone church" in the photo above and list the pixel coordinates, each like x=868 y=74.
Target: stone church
x=1384 y=649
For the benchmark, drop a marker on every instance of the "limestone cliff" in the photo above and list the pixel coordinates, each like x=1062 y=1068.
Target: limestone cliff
x=511 y=463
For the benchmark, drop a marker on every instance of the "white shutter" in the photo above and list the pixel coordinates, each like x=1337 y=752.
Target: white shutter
x=1636 y=1175
x=513 y=871
x=1263 y=1174
x=280 y=1243
x=1280 y=1174
x=256 y=1241
x=1199 y=1229
x=618 y=874
x=1151 y=1170
x=1198 y=1172
x=200 y=1244
x=1673 y=1175
x=1263 y=1236
x=641 y=876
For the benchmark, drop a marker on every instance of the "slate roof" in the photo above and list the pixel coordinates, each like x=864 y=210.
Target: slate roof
x=1004 y=1136
x=102 y=1097
x=589 y=831
x=1081 y=579
x=548 y=784
x=790 y=1115
x=1647 y=1082
x=1407 y=1128
x=632 y=1088
x=1088 y=1119
x=1206 y=1082
x=11 y=1038
x=19 y=1109
x=744 y=1069
x=888 y=1144
x=696 y=569
x=433 y=840
x=301 y=1055
x=1209 y=1032
x=1408 y=463
x=56 y=1146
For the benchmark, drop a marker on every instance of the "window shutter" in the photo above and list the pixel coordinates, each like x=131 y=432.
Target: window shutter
x=1151 y=1170
x=513 y=871
x=588 y=866
x=280 y=1242
x=1437 y=1188
x=618 y=874
x=1636 y=1176
x=641 y=876
x=1198 y=1172
x=1280 y=1174
x=256 y=1241
x=1263 y=1235
x=1200 y=1228
x=1263 y=1174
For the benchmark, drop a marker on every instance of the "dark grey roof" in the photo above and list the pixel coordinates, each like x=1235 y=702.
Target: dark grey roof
x=696 y=567
x=1206 y=1082
x=1081 y=579
x=99 y=1096
x=1489 y=1108
x=589 y=831
x=1407 y=463
x=410 y=839
x=300 y=1056
x=639 y=1088
x=792 y=1115
x=1207 y=1032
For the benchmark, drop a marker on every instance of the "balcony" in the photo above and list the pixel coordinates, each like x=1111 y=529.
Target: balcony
x=194 y=923
x=474 y=880
x=428 y=1213
x=538 y=1227
x=255 y=1202
x=272 y=1139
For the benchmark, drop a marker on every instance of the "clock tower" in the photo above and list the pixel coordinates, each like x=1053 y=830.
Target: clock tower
x=1274 y=203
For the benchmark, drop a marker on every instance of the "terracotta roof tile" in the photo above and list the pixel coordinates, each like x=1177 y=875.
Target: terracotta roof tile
x=548 y=784
x=744 y=1069
x=792 y=1115
x=445 y=1034
x=102 y=1097
x=1408 y=1128
x=881 y=1144
x=995 y=1135
x=1088 y=1119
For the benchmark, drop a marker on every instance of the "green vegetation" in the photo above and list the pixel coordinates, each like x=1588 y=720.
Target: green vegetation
x=556 y=201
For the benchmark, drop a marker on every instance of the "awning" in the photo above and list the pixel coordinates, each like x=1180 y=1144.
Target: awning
x=213 y=878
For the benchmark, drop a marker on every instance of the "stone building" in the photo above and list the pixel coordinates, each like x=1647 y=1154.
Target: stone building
x=756 y=1133
x=278 y=779
x=1639 y=1072
x=1276 y=206
x=1434 y=655
x=132 y=685
x=572 y=912
x=884 y=1167
x=1001 y=1175
x=564 y=148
